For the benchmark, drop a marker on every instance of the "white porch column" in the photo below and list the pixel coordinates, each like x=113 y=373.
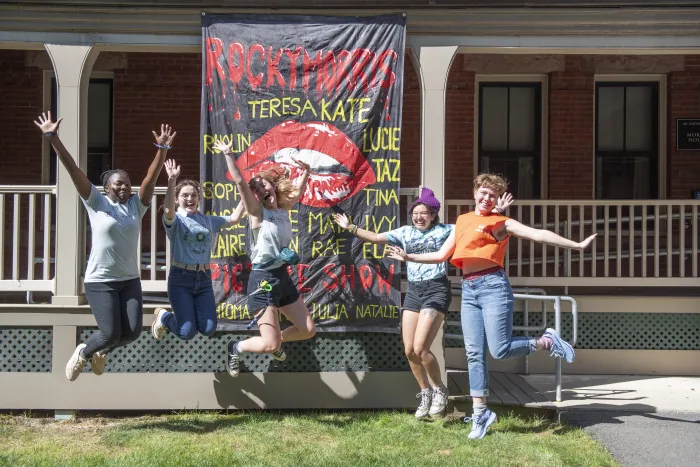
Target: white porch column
x=72 y=65
x=434 y=65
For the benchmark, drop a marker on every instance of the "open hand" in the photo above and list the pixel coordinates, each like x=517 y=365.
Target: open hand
x=504 y=201
x=167 y=135
x=395 y=252
x=171 y=169
x=223 y=147
x=45 y=123
x=584 y=244
x=302 y=164
x=342 y=220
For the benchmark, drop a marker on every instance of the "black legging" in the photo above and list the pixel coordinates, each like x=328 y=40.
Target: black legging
x=118 y=309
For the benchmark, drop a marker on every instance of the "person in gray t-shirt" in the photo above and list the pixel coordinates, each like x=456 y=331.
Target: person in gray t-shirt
x=113 y=275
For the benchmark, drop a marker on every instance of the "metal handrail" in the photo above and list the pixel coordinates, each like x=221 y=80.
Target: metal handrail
x=557 y=299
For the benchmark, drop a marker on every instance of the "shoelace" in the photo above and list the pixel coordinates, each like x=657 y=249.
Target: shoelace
x=233 y=360
x=424 y=399
x=80 y=364
x=476 y=420
x=556 y=350
x=440 y=396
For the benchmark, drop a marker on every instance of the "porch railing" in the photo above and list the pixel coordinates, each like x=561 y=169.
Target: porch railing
x=27 y=238
x=639 y=243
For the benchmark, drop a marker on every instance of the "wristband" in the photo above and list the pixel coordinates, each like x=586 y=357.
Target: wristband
x=162 y=146
x=500 y=210
x=352 y=229
x=49 y=134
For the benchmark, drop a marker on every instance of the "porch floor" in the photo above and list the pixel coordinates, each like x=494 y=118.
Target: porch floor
x=585 y=392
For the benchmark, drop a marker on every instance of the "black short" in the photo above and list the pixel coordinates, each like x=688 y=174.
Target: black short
x=435 y=294
x=283 y=293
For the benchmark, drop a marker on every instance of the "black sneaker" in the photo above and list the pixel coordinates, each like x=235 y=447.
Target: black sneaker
x=280 y=356
x=234 y=360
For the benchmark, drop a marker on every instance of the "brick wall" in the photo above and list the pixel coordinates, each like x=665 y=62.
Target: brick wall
x=684 y=102
x=21 y=94
x=151 y=90
x=410 y=126
x=459 y=129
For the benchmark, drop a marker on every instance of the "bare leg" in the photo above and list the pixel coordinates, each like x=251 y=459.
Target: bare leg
x=270 y=337
x=408 y=331
x=303 y=326
x=428 y=325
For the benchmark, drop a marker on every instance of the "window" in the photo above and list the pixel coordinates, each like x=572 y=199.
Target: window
x=627 y=140
x=99 y=157
x=510 y=116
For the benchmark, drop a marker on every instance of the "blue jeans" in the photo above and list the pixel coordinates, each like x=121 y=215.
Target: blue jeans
x=487 y=325
x=192 y=298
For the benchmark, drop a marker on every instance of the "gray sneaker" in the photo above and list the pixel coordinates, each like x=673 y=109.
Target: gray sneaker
x=98 y=363
x=425 y=397
x=76 y=363
x=440 y=395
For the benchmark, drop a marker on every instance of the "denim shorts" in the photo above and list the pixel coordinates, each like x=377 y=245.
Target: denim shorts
x=283 y=292
x=435 y=294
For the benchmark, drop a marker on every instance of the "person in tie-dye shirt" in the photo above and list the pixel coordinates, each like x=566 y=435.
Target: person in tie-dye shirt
x=429 y=293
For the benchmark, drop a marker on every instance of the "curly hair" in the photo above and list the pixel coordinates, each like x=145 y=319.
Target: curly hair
x=285 y=190
x=495 y=182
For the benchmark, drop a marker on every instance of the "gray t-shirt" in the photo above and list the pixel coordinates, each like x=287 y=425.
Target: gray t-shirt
x=274 y=233
x=114 y=255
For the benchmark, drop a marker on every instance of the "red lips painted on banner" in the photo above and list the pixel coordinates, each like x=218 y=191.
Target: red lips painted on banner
x=339 y=169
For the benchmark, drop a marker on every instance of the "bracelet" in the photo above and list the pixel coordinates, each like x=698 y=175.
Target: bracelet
x=500 y=210
x=352 y=229
x=162 y=146
x=49 y=134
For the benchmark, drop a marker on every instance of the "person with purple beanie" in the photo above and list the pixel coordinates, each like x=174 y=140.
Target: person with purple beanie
x=429 y=293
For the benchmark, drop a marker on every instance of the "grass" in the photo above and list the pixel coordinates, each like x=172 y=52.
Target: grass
x=294 y=439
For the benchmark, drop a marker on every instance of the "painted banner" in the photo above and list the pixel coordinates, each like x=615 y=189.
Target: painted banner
x=328 y=91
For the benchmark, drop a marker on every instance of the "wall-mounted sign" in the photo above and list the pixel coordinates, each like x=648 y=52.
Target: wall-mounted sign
x=688 y=134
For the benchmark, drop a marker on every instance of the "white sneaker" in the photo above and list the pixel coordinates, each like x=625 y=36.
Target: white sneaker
x=425 y=397
x=99 y=361
x=280 y=356
x=76 y=363
x=158 y=328
x=439 y=404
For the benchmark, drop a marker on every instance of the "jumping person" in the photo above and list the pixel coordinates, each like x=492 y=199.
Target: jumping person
x=429 y=293
x=268 y=198
x=189 y=283
x=478 y=246
x=113 y=276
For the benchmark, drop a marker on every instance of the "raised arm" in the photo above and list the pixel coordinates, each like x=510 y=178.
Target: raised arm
x=366 y=235
x=517 y=229
x=50 y=130
x=164 y=141
x=439 y=256
x=300 y=182
x=173 y=172
x=251 y=203
x=237 y=214
x=504 y=201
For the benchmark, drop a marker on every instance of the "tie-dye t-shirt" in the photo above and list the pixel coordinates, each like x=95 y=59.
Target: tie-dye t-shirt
x=417 y=241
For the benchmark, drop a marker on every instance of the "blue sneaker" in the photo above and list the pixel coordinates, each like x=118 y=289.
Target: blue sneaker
x=480 y=424
x=560 y=348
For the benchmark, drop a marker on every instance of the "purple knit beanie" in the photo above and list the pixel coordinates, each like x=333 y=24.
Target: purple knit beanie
x=428 y=198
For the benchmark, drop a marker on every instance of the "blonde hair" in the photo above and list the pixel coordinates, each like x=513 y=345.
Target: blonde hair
x=285 y=190
x=494 y=182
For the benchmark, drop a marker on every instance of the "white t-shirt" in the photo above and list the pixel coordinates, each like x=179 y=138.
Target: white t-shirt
x=274 y=233
x=114 y=255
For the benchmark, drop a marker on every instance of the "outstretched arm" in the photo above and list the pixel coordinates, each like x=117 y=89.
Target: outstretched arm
x=164 y=141
x=439 y=256
x=173 y=172
x=250 y=202
x=237 y=214
x=50 y=130
x=517 y=229
x=366 y=235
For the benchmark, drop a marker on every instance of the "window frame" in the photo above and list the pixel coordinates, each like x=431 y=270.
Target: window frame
x=660 y=118
x=541 y=125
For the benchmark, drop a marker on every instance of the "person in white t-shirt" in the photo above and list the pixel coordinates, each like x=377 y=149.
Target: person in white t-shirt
x=113 y=276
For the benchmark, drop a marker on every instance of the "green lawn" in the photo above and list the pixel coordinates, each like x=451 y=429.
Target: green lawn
x=293 y=439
